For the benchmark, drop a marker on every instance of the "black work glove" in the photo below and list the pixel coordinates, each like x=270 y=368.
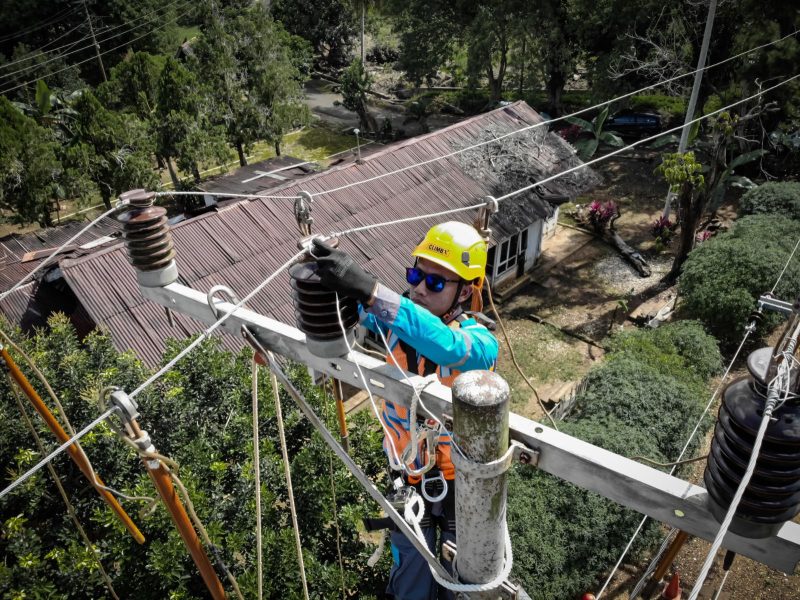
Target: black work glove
x=339 y=272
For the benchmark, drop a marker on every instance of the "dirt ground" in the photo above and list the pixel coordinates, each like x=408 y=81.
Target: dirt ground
x=584 y=288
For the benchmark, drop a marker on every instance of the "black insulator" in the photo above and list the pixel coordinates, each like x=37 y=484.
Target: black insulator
x=147 y=235
x=316 y=314
x=773 y=494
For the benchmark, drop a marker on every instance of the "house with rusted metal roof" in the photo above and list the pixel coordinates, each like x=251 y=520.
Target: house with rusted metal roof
x=240 y=244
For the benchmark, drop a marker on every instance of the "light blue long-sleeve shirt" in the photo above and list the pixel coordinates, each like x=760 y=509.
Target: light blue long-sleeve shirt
x=470 y=347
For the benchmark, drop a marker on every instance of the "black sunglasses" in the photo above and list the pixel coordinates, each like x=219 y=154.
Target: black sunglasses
x=434 y=282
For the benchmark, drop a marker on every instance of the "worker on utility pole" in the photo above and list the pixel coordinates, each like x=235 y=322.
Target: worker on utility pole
x=428 y=332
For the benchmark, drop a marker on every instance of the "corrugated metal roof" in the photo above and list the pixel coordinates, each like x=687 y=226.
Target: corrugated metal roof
x=260 y=177
x=243 y=243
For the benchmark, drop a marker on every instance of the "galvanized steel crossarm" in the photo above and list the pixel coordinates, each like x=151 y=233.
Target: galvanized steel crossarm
x=629 y=483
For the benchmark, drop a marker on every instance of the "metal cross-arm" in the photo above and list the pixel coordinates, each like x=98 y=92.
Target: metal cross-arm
x=661 y=496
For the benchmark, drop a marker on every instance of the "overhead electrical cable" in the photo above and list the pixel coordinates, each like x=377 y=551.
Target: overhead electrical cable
x=90 y=46
x=292 y=259
x=165 y=24
x=748 y=331
x=55 y=19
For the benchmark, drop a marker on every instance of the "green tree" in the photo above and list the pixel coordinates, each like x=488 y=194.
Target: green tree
x=356 y=83
x=183 y=123
x=329 y=25
x=595 y=135
x=29 y=167
x=110 y=149
x=252 y=70
x=723 y=278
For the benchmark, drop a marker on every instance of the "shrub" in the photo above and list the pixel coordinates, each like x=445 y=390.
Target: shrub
x=776 y=198
x=723 y=278
x=674 y=348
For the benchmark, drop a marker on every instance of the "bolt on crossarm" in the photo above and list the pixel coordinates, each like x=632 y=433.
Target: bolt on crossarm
x=75 y=451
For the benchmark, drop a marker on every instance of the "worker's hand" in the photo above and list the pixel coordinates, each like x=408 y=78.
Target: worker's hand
x=338 y=271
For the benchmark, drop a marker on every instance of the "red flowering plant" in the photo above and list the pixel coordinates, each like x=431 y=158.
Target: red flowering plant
x=571 y=133
x=600 y=214
x=704 y=236
x=663 y=230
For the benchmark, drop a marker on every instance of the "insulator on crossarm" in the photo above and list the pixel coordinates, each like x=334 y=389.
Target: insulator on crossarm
x=148 y=240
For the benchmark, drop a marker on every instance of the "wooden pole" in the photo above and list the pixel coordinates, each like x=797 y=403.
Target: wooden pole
x=163 y=482
x=75 y=451
x=338 y=395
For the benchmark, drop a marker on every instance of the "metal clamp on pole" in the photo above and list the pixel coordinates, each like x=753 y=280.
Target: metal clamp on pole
x=770 y=302
x=302 y=212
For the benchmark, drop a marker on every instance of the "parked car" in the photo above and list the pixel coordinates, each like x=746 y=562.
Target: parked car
x=628 y=123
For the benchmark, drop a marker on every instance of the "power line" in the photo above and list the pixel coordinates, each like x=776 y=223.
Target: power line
x=748 y=331
x=94 y=44
x=28 y=474
x=57 y=18
x=547 y=123
x=58 y=250
x=6 y=91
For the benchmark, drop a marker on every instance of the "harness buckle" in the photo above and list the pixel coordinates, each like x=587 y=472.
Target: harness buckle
x=423 y=488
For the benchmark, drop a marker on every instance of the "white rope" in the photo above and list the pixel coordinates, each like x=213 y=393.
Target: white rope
x=213 y=327
x=394 y=460
x=28 y=474
x=57 y=251
x=288 y=474
x=257 y=473
x=722 y=584
x=555 y=120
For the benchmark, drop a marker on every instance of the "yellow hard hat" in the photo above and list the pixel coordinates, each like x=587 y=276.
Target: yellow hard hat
x=455 y=246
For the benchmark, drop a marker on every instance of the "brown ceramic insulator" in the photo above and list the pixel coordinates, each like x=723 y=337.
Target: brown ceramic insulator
x=147 y=237
x=315 y=305
x=140 y=198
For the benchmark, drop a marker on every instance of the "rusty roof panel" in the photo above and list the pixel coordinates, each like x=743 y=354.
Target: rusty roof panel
x=245 y=242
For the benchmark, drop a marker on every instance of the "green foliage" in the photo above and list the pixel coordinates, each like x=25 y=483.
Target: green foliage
x=675 y=348
x=594 y=135
x=329 y=25
x=773 y=198
x=29 y=167
x=643 y=401
x=678 y=169
x=200 y=415
x=723 y=278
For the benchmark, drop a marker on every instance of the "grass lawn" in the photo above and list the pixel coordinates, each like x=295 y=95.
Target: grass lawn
x=546 y=356
x=313 y=143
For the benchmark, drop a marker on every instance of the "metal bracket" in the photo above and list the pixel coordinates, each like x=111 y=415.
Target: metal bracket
x=302 y=212
x=486 y=212
x=770 y=302
x=647 y=490
x=127 y=407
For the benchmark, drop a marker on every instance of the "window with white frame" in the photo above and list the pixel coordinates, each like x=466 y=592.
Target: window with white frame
x=507 y=254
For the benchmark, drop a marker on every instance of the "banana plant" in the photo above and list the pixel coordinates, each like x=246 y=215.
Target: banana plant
x=51 y=110
x=592 y=135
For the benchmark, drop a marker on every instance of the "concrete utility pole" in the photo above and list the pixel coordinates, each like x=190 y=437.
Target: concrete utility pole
x=480 y=428
x=94 y=41
x=698 y=79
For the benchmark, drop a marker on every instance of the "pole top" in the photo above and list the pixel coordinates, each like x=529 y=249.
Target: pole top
x=481 y=388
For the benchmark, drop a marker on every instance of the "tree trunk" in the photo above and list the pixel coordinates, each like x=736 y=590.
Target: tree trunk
x=196 y=173
x=691 y=210
x=363 y=49
x=160 y=162
x=277 y=148
x=628 y=253
x=176 y=183
x=555 y=87
x=242 y=157
x=522 y=70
